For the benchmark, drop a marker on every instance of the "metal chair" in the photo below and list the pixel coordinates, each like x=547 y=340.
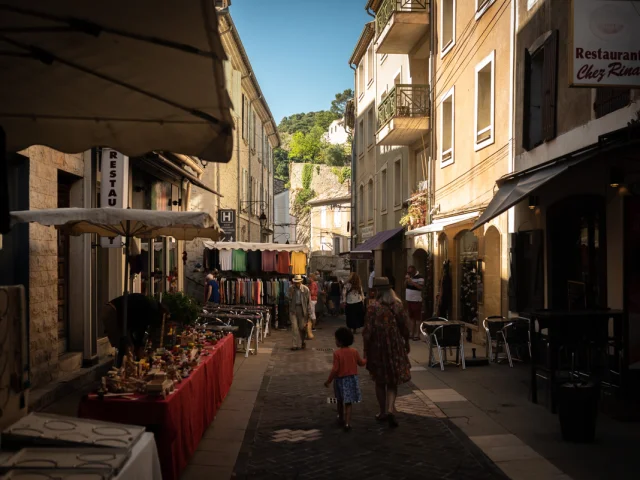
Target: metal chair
x=493 y=330
x=444 y=336
x=516 y=334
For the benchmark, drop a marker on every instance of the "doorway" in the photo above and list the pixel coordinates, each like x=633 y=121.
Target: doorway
x=65 y=181
x=577 y=253
x=467 y=250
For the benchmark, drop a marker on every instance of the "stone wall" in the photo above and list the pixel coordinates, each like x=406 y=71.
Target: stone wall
x=44 y=164
x=322 y=181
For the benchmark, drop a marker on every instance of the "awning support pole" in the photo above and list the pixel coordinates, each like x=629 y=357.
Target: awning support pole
x=5 y=222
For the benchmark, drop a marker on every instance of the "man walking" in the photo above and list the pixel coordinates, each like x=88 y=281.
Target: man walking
x=414 y=283
x=299 y=312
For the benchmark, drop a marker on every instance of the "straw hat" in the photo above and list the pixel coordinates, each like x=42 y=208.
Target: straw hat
x=381 y=283
x=297 y=279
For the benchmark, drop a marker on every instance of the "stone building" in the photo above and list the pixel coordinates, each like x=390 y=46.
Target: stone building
x=391 y=131
x=330 y=218
x=245 y=184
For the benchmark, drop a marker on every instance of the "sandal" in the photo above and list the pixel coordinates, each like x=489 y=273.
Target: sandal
x=381 y=417
x=393 y=423
x=347 y=428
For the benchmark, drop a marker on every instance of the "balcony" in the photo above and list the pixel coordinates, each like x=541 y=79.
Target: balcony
x=400 y=24
x=403 y=116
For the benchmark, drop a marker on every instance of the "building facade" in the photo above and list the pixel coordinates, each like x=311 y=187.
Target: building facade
x=336 y=134
x=575 y=214
x=284 y=228
x=471 y=149
x=329 y=240
x=391 y=131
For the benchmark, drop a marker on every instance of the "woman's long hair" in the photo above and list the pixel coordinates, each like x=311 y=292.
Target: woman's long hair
x=387 y=296
x=354 y=281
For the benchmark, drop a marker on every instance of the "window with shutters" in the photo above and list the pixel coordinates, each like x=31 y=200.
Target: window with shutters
x=609 y=100
x=361 y=204
x=484 y=102
x=245 y=121
x=397 y=183
x=361 y=78
x=383 y=190
x=540 y=93
x=370 y=200
x=370 y=60
x=447 y=26
x=371 y=128
x=336 y=245
x=360 y=134
x=447 y=122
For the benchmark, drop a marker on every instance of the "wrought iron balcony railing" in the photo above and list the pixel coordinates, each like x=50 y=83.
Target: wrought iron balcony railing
x=404 y=101
x=389 y=7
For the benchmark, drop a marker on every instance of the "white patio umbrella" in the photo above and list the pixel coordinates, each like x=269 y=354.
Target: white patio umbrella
x=127 y=223
x=135 y=76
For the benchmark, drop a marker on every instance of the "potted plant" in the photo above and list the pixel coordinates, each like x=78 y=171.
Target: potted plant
x=184 y=309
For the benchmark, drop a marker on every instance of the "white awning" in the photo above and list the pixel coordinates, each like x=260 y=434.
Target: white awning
x=248 y=246
x=133 y=76
x=439 y=224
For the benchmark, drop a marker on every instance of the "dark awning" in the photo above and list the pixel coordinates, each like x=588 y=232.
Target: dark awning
x=365 y=250
x=515 y=187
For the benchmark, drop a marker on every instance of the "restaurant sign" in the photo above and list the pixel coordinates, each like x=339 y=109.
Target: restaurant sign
x=605 y=43
x=114 y=182
x=366 y=232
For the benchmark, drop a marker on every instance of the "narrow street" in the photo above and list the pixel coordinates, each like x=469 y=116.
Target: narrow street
x=292 y=431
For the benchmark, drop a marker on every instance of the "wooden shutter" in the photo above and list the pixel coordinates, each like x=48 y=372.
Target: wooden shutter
x=550 y=86
x=526 y=102
x=610 y=99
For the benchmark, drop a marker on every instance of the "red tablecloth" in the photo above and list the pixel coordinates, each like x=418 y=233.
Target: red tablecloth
x=180 y=421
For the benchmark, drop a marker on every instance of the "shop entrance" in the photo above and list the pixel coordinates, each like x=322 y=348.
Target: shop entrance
x=467 y=277
x=577 y=253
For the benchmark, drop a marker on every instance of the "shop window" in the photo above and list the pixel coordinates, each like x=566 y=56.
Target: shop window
x=448 y=26
x=540 y=92
x=609 y=100
x=468 y=277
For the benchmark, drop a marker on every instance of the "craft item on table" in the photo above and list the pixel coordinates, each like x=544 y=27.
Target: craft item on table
x=160 y=387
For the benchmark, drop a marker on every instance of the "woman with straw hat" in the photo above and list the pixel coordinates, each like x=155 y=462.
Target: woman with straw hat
x=299 y=311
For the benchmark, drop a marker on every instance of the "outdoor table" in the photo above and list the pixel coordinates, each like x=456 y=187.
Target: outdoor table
x=180 y=421
x=433 y=324
x=581 y=326
x=253 y=318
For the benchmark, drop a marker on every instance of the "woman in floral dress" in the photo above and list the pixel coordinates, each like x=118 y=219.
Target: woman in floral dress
x=386 y=347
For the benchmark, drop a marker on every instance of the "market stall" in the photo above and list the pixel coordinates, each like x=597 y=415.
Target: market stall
x=180 y=419
x=256 y=273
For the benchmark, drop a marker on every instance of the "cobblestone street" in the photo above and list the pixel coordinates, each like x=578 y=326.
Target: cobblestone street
x=292 y=432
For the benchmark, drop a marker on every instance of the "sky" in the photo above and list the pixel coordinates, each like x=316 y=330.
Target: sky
x=299 y=49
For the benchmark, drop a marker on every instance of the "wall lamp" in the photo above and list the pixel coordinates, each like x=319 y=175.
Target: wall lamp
x=534 y=201
x=616 y=177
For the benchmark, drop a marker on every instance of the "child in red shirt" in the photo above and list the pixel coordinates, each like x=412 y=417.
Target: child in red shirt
x=344 y=375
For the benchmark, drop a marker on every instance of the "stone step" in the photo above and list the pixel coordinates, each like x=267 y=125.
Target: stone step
x=70 y=362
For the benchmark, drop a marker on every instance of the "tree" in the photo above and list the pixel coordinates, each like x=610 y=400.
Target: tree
x=281 y=164
x=339 y=105
x=306 y=147
x=335 y=155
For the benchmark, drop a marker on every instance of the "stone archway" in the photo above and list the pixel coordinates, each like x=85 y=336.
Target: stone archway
x=492 y=279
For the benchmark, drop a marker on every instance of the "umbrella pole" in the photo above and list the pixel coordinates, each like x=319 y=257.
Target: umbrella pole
x=124 y=343
x=4 y=185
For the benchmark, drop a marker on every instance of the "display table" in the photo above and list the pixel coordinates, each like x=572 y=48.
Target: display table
x=143 y=463
x=179 y=422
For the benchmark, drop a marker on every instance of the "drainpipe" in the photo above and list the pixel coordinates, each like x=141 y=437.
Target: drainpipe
x=354 y=164
x=431 y=162
x=238 y=133
x=367 y=9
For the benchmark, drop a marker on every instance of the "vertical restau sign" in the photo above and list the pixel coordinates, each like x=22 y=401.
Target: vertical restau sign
x=605 y=43
x=114 y=167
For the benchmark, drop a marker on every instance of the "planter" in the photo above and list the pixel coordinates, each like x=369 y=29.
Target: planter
x=578 y=411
